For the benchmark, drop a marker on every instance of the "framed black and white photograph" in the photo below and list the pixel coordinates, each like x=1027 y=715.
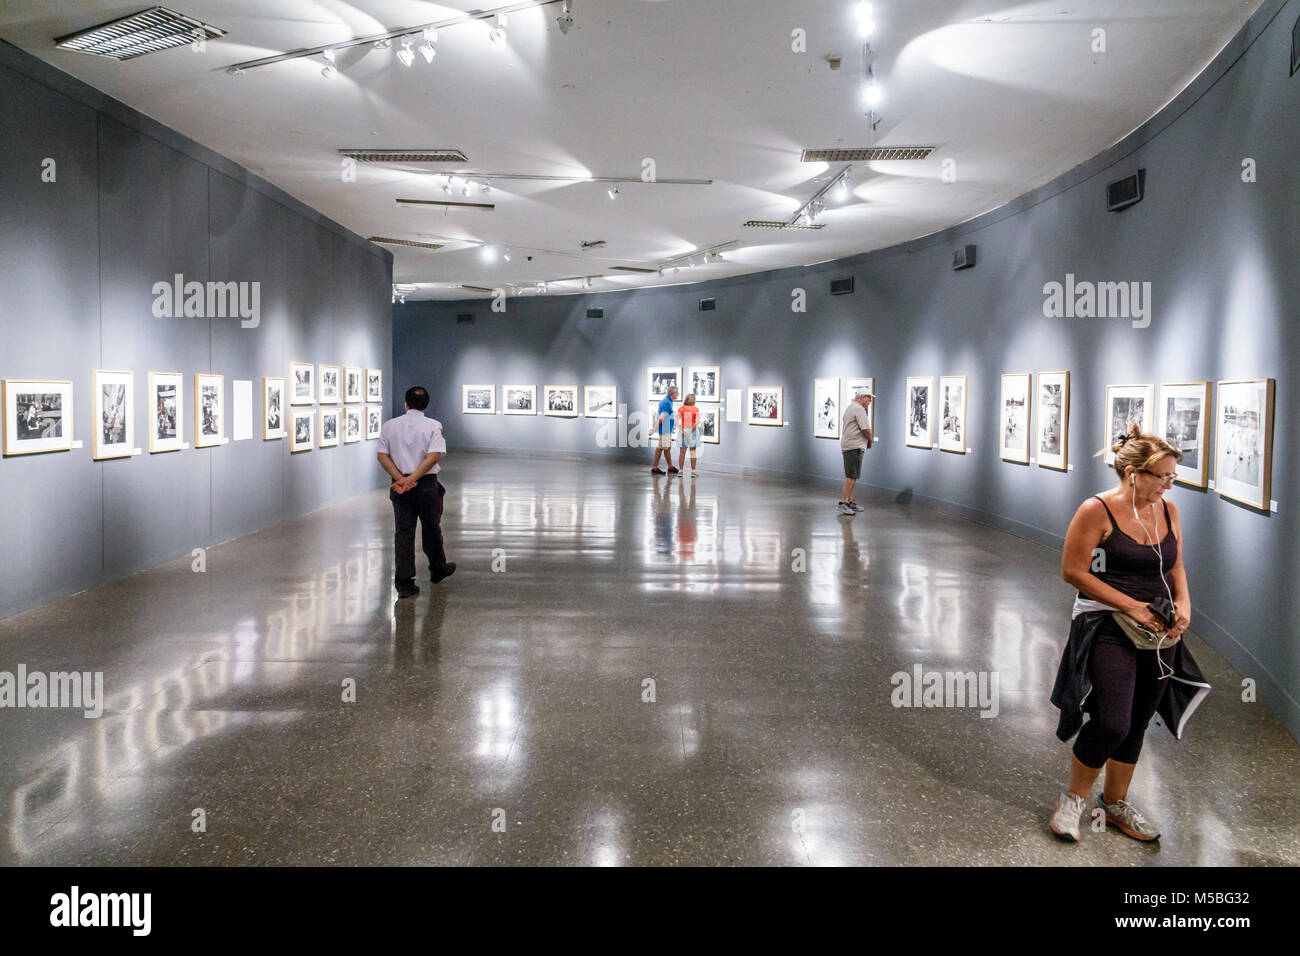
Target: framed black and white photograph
x=374 y=421
x=353 y=424
x=302 y=379
x=329 y=427
x=374 y=385
x=1184 y=423
x=1014 y=418
x=166 y=402
x=114 y=414
x=519 y=399
x=560 y=401
x=600 y=401
x=853 y=387
x=478 y=399
x=1243 y=441
x=766 y=405
x=209 y=410
x=1126 y=406
x=1054 y=420
x=37 y=415
x=918 y=403
x=660 y=378
x=272 y=408
x=331 y=390
x=354 y=389
x=704 y=382
x=711 y=424
x=952 y=413
x=303 y=433
x=826 y=408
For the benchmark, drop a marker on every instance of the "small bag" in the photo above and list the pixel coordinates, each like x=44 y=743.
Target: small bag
x=1143 y=638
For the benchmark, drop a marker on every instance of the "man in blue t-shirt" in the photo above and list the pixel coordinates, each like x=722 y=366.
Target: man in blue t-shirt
x=664 y=432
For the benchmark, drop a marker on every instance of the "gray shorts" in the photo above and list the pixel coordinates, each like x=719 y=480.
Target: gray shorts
x=853 y=463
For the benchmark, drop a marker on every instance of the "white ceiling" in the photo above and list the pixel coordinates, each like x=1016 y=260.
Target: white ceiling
x=709 y=89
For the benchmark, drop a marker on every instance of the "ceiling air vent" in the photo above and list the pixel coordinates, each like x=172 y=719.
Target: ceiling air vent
x=778 y=224
x=405 y=155
x=465 y=318
x=842 y=286
x=148 y=31
x=630 y=269
x=595 y=313
x=405 y=242
x=708 y=305
x=865 y=155
x=454 y=205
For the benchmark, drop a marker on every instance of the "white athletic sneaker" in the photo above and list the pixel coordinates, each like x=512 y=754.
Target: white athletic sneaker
x=1065 y=821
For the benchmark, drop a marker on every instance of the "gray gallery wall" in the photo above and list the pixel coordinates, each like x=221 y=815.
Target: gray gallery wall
x=1221 y=255
x=134 y=203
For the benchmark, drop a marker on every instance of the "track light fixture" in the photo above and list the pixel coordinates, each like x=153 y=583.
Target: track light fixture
x=330 y=69
x=565 y=19
x=406 y=54
x=498 y=33
x=613 y=192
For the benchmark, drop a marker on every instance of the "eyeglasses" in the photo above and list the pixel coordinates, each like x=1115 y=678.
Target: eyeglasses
x=1167 y=478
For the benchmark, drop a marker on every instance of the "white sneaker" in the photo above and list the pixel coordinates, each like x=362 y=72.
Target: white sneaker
x=1065 y=821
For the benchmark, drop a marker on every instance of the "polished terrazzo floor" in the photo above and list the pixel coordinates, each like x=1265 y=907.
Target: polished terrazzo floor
x=504 y=716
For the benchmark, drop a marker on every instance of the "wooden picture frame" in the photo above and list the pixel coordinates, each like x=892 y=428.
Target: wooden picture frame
x=112 y=414
x=950 y=414
x=32 y=422
x=918 y=411
x=1015 y=414
x=166 y=412
x=1184 y=412
x=209 y=410
x=273 y=406
x=472 y=398
x=1052 y=408
x=1126 y=404
x=1243 y=441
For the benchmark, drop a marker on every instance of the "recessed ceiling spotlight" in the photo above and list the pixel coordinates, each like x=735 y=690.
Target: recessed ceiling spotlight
x=489 y=254
x=406 y=54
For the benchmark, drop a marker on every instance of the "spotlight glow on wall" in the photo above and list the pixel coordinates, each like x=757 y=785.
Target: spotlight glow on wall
x=866 y=25
x=872 y=94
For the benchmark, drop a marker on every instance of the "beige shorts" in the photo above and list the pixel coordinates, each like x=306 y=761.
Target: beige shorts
x=666 y=441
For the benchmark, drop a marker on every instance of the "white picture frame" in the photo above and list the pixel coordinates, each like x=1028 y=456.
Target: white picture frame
x=1243 y=441
x=166 y=402
x=302 y=383
x=375 y=385
x=560 y=401
x=918 y=411
x=519 y=399
x=374 y=421
x=302 y=429
x=354 y=389
x=851 y=388
x=1015 y=417
x=273 y=406
x=209 y=410
x=600 y=401
x=1052 y=408
x=710 y=424
x=765 y=405
x=704 y=382
x=478 y=399
x=658 y=380
x=37 y=415
x=1184 y=411
x=354 y=426
x=113 y=414
x=330 y=383
x=331 y=426
x=951 y=414
x=1126 y=404
x=827 y=407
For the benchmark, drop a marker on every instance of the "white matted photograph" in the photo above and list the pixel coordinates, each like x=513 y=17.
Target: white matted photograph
x=918 y=402
x=826 y=408
x=374 y=421
x=952 y=413
x=330 y=385
x=302 y=382
x=354 y=384
x=209 y=410
x=854 y=387
x=600 y=401
x=704 y=382
x=765 y=405
x=478 y=399
x=166 y=400
x=711 y=424
x=37 y=415
x=660 y=378
x=374 y=385
x=303 y=425
x=353 y=424
x=1185 y=424
x=1054 y=420
x=1126 y=406
x=272 y=408
x=560 y=401
x=519 y=399
x=1243 y=435
x=114 y=414
x=1013 y=417
x=329 y=427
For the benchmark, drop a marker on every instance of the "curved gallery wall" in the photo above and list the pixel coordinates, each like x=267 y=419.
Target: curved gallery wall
x=132 y=203
x=1220 y=255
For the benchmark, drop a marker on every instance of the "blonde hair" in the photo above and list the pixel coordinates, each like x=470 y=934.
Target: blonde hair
x=1139 y=450
x=690 y=399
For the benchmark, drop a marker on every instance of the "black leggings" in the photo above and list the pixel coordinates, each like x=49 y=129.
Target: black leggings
x=1126 y=687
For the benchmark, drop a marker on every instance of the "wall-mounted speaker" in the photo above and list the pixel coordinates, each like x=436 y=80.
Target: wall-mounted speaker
x=466 y=318
x=963 y=258
x=842 y=286
x=1125 y=192
x=708 y=305
x=595 y=313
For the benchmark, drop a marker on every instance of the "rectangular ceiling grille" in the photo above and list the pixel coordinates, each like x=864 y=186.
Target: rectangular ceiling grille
x=455 y=205
x=630 y=269
x=145 y=32
x=778 y=224
x=406 y=155
x=871 y=154
x=405 y=242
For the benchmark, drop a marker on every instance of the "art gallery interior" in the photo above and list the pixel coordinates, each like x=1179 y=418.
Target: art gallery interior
x=227 y=254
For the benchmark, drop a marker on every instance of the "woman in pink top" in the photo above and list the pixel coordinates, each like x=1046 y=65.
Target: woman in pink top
x=688 y=419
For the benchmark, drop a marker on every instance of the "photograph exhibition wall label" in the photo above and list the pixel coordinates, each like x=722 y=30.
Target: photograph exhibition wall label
x=353 y=426
x=374 y=421
x=329 y=428
x=114 y=414
x=272 y=408
x=302 y=435
x=1184 y=423
x=952 y=413
x=302 y=379
x=601 y=401
x=374 y=385
x=1054 y=420
x=331 y=392
x=519 y=399
x=852 y=386
x=1127 y=405
x=826 y=408
x=766 y=405
x=353 y=384
x=705 y=382
x=209 y=410
x=1013 y=418
x=166 y=411
x=37 y=415
x=918 y=426
x=711 y=424
x=561 y=401
x=1243 y=430
x=660 y=378
x=478 y=399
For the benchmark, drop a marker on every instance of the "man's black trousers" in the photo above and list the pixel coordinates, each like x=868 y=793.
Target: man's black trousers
x=422 y=503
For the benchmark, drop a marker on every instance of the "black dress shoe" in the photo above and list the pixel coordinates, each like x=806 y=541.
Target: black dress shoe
x=407 y=590
x=451 y=569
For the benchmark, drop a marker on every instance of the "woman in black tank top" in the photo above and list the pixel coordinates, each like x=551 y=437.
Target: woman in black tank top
x=1123 y=551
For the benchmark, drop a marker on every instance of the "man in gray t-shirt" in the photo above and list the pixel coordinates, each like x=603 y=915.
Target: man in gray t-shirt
x=855 y=438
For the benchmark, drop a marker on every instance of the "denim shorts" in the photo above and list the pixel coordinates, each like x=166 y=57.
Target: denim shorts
x=691 y=438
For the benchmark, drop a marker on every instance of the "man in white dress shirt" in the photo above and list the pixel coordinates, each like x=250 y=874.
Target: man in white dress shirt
x=410 y=448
